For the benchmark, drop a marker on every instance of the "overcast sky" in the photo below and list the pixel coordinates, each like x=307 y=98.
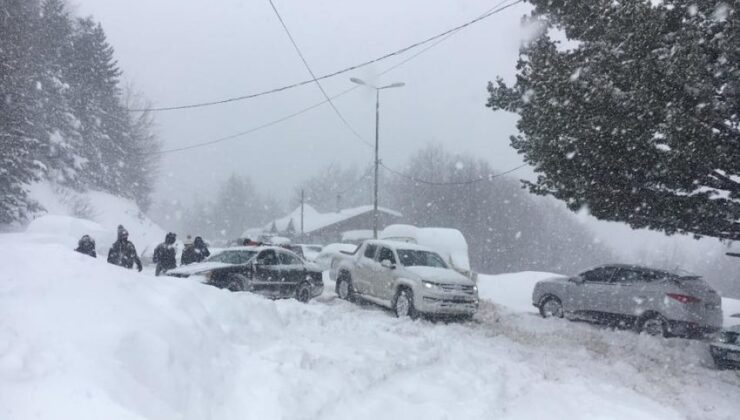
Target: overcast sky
x=179 y=52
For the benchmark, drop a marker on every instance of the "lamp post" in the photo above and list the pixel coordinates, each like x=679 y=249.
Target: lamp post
x=377 y=134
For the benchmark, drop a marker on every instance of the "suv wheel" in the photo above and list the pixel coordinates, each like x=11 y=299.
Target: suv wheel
x=551 y=307
x=303 y=293
x=654 y=325
x=403 y=304
x=344 y=288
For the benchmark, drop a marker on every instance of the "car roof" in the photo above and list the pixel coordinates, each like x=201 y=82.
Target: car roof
x=255 y=248
x=677 y=272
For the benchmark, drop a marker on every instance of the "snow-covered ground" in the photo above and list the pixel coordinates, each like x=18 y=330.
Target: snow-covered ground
x=81 y=339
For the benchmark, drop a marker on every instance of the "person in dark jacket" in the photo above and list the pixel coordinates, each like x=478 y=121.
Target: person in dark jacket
x=86 y=245
x=123 y=252
x=195 y=252
x=164 y=254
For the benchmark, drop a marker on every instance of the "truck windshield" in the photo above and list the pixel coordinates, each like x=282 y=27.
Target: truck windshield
x=411 y=258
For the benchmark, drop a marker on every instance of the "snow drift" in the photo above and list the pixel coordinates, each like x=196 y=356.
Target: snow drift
x=81 y=339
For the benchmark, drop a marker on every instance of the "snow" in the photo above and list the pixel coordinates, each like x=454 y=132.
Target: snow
x=81 y=339
x=313 y=220
x=450 y=243
x=106 y=210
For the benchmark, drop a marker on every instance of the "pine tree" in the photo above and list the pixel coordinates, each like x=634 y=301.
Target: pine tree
x=19 y=138
x=639 y=121
x=62 y=142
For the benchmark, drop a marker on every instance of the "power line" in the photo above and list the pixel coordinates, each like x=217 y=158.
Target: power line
x=465 y=182
x=336 y=73
x=313 y=76
x=318 y=104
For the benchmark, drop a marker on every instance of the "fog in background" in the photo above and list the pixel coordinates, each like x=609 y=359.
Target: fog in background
x=176 y=52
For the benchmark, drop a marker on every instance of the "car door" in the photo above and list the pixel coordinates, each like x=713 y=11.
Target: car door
x=266 y=279
x=383 y=277
x=631 y=292
x=292 y=272
x=587 y=298
x=364 y=269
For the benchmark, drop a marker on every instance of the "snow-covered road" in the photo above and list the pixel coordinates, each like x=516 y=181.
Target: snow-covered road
x=80 y=339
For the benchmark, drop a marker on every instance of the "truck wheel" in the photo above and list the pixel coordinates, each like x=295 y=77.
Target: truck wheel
x=344 y=288
x=303 y=293
x=403 y=304
x=551 y=307
x=236 y=282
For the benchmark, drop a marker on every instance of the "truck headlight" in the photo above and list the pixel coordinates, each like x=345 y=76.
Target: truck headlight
x=475 y=289
x=429 y=285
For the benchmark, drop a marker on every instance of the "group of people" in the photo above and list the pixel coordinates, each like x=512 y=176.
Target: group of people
x=123 y=252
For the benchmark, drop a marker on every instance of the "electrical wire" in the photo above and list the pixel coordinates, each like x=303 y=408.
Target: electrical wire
x=318 y=104
x=328 y=75
x=313 y=76
x=465 y=182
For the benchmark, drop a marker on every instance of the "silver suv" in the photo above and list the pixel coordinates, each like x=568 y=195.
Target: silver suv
x=656 y=302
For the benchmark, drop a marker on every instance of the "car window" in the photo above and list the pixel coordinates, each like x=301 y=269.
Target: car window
x=233 y=257
x=287 y=258
x=268 y=257
x=417 y=258
x=314 y=248
x=370 y=251
x=627 y=276
x=386 y=254
x=599 y=275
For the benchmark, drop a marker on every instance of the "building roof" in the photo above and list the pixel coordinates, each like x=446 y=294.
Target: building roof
x=313 y=220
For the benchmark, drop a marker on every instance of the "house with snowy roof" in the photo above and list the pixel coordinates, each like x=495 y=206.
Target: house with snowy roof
x=346 y=225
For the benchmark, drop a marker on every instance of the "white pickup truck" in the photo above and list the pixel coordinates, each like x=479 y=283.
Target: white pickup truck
x=410 y=279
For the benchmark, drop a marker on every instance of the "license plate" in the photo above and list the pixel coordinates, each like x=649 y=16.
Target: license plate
x=735 y=357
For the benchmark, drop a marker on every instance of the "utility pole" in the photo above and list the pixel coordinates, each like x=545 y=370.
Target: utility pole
x=339 y=199
x=303 y=200
x=377 y=164
x=376 y=215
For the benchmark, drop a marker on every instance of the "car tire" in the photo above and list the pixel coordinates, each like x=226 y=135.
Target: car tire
x=344 y=287
x=653 y=324
x=403 y=304
x=303 y=292
x=551 y=307
x=236 y=282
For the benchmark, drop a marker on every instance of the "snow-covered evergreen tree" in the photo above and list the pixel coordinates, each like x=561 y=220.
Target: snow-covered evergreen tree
x=638 y=119
x=62 y=114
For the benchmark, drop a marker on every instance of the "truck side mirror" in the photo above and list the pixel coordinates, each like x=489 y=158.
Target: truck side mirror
x=577 y=279
x=388 y=264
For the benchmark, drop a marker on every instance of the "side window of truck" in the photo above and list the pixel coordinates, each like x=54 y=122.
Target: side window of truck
x=370 y=251
x=386 y=254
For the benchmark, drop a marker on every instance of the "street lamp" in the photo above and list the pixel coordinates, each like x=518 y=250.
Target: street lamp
x=377 y=133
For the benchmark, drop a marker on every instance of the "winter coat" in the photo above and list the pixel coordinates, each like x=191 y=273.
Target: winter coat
x=192 y=254
x=87 y=249
x=164 y=256
x=123 y=253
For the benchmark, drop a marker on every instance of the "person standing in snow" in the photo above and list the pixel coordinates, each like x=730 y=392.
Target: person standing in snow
x=196 y=252
x=164 y=254
x=86 y=245
x=123 y=252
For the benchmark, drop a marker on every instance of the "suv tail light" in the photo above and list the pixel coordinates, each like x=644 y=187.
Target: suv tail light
x=683 y=298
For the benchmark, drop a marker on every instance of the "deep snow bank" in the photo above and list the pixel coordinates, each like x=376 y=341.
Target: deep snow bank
x=107 y=210
x=81 y=339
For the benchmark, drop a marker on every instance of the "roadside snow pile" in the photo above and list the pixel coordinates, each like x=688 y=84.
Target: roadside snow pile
x=513 y=290
x=81 y=339
x=107 y=210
